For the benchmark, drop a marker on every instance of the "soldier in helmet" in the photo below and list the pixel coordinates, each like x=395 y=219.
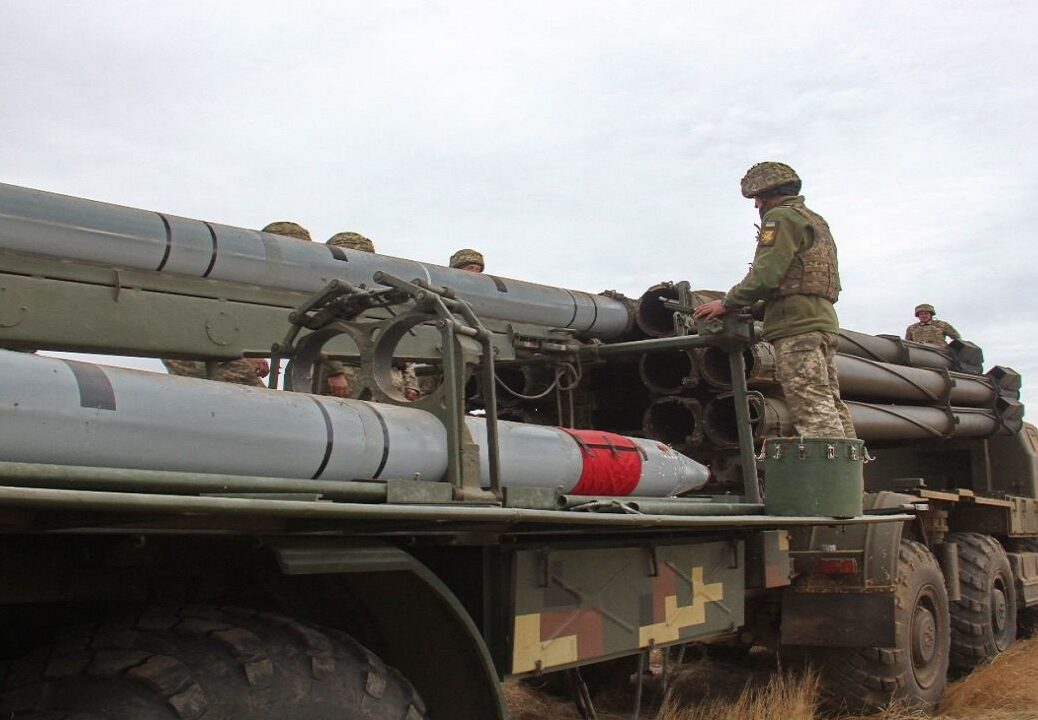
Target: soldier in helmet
x=288 y=229
x=468 y=260
x=339 y=379
x=795 y=273
x=244 y=371
x=929 y=330
x=352 y=241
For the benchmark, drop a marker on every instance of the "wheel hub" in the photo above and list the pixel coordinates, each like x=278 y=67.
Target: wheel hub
x=924 y=636
x=999 y=609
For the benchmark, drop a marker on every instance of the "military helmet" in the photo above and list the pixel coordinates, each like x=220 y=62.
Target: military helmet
x=289 y=229
x=351 y=240
x=467 y=257
x=924 y=308
x=766 y=176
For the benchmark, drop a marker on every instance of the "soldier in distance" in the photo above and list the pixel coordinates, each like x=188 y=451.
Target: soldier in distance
x=929 y=330
x=468 y=260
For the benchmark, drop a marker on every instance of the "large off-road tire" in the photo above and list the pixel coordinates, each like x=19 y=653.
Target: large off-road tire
x=914 y=671
x=983 y=620
x=204 y=662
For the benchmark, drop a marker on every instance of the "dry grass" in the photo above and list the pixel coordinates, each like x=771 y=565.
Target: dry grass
x=785 y=696
x=1006 y=689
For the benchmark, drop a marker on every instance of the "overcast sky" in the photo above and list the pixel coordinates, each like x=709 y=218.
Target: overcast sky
x=594 y=145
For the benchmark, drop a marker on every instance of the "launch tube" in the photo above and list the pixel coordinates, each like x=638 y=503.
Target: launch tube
x=871 y=421
x=671 y=372
x=652 y=315
x=41 y=223
x=893 y=350
x=72 y=413
x=872 y=380
x=863 y=379
x=759 y=359
x=676 y=421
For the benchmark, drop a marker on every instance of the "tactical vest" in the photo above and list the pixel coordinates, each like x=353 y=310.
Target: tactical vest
x=813 y=271
x=931 y=333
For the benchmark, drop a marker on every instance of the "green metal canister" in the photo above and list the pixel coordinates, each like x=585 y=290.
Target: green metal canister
x=813 y=476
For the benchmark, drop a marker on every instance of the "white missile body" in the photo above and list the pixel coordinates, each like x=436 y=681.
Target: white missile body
x=41 y=223
x=74 y=413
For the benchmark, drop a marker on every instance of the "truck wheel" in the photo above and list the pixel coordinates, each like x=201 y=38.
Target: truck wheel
x=983 y=620
x=195 y=662
x=915 y=670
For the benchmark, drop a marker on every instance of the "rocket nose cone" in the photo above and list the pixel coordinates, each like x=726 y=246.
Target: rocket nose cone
x=693 y=475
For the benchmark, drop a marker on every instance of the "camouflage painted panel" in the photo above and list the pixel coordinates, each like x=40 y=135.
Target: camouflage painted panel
x=577 y=606
x=768 y=562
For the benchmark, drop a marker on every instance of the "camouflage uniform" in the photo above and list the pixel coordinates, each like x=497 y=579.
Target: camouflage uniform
x=804 y=365
x=233 y=371
x=795 y=271
x=467 y=256
x=931 y=333
x=403 y=377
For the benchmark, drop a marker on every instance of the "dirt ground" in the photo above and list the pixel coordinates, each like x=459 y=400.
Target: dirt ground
x=1006 y=689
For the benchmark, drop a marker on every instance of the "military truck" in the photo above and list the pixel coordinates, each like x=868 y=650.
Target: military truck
x=585 y=478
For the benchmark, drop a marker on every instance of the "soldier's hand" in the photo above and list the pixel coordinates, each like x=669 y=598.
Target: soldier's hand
x=261 y=366
x=710 y=310
x=411 y=394
x=338 y=386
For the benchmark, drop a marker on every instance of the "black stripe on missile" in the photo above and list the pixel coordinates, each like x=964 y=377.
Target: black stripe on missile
x=385 y=441
x=501 y=287
x=329 y=435
x=95 y=389
x=594 y=318
x=212 y=258
x=338 y=253
x=169 y=242
x=574 y=299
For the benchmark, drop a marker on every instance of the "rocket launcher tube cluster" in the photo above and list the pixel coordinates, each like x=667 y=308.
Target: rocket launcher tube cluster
x=72 y=413
x=41 y=223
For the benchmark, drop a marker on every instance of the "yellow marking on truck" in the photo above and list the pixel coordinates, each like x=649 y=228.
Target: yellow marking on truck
x=783 y=540
x=529 y=648
x=676 y=617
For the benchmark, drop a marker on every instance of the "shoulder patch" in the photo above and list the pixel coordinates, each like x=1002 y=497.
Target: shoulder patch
x=768 y=232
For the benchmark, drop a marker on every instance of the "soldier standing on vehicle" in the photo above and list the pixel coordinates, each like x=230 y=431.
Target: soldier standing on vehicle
x=930 y=330
x=468 y=260
x=795 y=272
x=339 y=379
x=243 y=371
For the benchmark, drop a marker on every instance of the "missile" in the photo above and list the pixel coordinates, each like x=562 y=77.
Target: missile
x=42 y=223
x=66 y=412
